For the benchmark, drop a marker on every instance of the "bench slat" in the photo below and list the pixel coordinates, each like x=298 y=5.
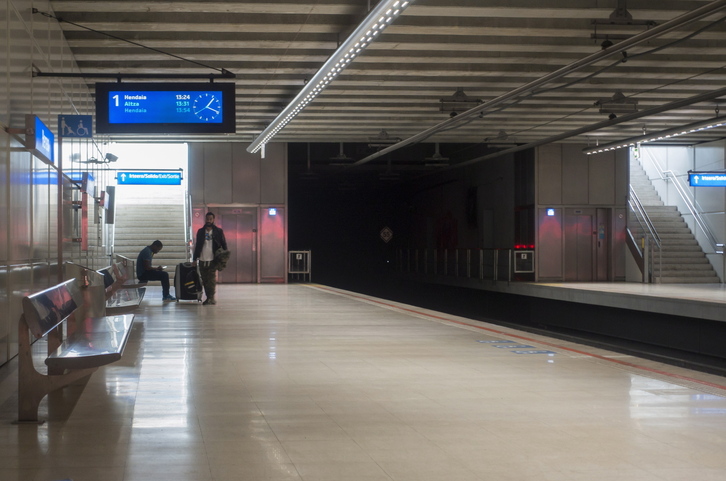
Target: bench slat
x=99 y=341
x=126 y=298
x=46 y=309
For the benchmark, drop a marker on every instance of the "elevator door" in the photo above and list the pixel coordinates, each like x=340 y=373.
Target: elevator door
x=578 y=246
x=587 y=248
x=240 y=230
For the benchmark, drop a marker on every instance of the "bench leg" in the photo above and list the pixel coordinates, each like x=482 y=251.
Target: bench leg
x=34 y=386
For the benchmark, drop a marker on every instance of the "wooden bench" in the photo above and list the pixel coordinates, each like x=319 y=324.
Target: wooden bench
x=91 y=340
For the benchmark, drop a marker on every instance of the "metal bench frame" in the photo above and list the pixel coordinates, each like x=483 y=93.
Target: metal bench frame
x=128 y=270
x=91 y=341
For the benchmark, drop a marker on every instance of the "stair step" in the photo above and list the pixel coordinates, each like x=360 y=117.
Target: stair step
x=138 y=225
x=670 y=267
x=681 y=261
x=689 y=280
x=684 y=253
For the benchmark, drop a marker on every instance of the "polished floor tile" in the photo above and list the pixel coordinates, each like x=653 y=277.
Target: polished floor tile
x=310 y=383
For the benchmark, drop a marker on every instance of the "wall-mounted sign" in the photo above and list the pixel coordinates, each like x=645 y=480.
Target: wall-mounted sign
x=706 y=179
x=149 y=178
x=200 y=108
x=524 y=262
x=75 y=126
x=39 y=139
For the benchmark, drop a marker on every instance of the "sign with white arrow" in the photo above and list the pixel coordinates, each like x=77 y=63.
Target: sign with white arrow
x=149 y=178
x=706 y=179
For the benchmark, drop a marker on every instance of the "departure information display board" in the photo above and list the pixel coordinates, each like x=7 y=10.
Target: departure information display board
x=165 y=108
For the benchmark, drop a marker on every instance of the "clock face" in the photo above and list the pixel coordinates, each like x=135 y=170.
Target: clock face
x=207 y=107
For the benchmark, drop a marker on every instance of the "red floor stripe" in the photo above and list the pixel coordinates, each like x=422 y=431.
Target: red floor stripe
x=556 y=346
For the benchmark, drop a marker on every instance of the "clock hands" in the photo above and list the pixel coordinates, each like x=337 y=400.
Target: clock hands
x=208 y=106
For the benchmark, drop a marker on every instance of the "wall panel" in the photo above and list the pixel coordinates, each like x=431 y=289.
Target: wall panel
x=245 y=175
x=217 y=169
x=575 y=177
x=549 y=174
x=550 y=244
x=601 y=179
x=273 y=178
x=196 y=172
x=28 y=189
x=19 y=214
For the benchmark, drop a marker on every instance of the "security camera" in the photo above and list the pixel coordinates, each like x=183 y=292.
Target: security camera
x=111 y=158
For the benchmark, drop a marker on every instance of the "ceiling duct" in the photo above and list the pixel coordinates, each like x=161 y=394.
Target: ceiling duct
x=341 y=159
x=382 y=140
x=437 y=160
x=459 y=102
x=621 y=16
x=617 y=104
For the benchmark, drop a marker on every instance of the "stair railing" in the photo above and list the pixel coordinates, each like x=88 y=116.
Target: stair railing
x=691 y=204
x=650 y=246
x=188 y=235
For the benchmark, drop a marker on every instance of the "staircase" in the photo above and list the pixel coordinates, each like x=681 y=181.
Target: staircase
x=138 y=225
x=682 y=259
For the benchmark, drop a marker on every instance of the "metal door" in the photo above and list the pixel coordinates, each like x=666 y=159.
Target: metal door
x=240 y=230
x=579 y=252
x=587 y=246
x=602 y=245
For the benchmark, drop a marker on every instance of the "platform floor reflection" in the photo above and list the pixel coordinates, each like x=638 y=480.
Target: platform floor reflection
x=308 y=382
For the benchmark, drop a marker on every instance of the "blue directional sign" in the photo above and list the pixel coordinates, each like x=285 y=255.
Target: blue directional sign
x=75 y=126
x=39 y=139
x=149 y=178
x=706 y=179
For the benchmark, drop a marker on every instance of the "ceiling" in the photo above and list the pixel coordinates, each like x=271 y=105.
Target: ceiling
x=490 y=49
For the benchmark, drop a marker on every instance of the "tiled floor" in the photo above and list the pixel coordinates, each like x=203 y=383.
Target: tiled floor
x=296 y=382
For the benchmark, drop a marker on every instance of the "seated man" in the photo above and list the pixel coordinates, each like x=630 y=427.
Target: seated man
x=146 y=272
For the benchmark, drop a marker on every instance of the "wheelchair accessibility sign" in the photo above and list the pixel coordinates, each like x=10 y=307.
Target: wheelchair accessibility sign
x=75 y=126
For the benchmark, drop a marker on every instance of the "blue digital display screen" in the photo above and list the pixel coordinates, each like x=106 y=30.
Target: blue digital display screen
x=157 y=107
x=165 y=108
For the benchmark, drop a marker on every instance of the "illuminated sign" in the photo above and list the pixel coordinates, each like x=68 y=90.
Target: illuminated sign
x=707 y=179
x=75 y=126
x=149 y=178
x=165 y=108
x=38 y=138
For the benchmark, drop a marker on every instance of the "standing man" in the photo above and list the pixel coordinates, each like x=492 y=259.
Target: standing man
x=210 y=239
x=146 y=272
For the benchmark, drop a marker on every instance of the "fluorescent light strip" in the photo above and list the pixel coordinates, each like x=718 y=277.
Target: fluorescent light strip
x=367 y=31
x=663 y=135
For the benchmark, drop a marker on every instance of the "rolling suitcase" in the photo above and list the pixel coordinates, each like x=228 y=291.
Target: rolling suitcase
x=187 y=284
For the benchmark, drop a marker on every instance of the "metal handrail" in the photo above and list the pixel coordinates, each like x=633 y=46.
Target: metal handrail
x=650 y=240
x=637 y=206
x=695 y=211
x=459 y=263
x=691 y=204
x=188 y=234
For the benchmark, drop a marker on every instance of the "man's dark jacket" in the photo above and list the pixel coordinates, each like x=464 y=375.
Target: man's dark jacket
x=218 y=241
